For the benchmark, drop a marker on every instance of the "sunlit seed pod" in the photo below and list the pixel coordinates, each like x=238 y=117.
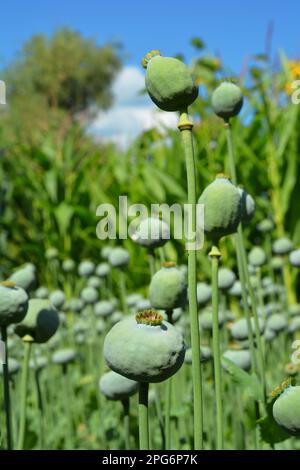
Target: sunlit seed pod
x=291 y=369
x=68 y=265
x=74 y=305
x=102 y=269
x=38 y=363
x=105 y=251
x=144 y=348
x=294 y=310
x=206 y=319
x=266 y=225
x=41 y=321
x=143 y=304
x=51 y=253
x=116 y=317
x=204 y=293
x=104 y=308
x=89 y=295
x=64 y=356
x=240 y=358
x=205 y=355
x=227 y=100
x=222 y=208
x=277 y=263
x=277 y=322
x=119 y=257
x=133 y=299
x=169 y=82
x=151 y=233
x=24 y=277
x=294 y=258
x=94 y=281
x=184 y=269
x=41 y=293
x=239 y=330
x=13 y=304
x=80 y=326
x=236 y=289
x=257 y=257
x=116 y=387
x=282 y=246
x=13 y=366
x=100 y=326
x=57 y=298
x=266 y=281
x=86 y=268
x=269 y=335
x=286 y=410
x=294 y=325
x=272 y=307
x=168 y=288
x=247 y=206
x=226 y=279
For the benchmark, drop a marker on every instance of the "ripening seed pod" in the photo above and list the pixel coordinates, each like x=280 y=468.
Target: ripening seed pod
x=286 y=410
x=57 y=298
x=282 y=246
x=277 y=322
x=13 y=304
x=204 y=293
x=247 y=206
x=169 y=82
x=68 y=265
x=24 y=277
x=89 y=295
x=151 y=233
x=41 y=293
x=257 y=257
x=227 y=100
x=86 y=268
x=294 y=258
x=144 y=348
x=168 y=288
x=64 y=356
x=226 y=279
x=117 y=387
x=239 y=330
x=103 y=269
x=240 y=358
x=94 y=281
x=265 y=226
x=222 y=208
x=40 y=322
x=104 y=308
x=118 y=257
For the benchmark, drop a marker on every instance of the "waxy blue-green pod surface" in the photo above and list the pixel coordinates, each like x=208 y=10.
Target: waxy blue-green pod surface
x=277 y=322
x=151 y=233
x=57 y=298
x=204 y=293
x=104 y=308
x=286 y=410
x=24 y=277
x=257 y=257
x=240 y=358
x=41 y=293
x=226 y=278
x=41 y=321
x=68 y=265
x=239 y=330
x=227 y=100
x=64 y=356
x=86 y=268
x=89 y=295
x=168 y=288
x=294 y=258
x=247 y=206
x=116 y=387
x=13 y=304
x=282 y=246
x=118 y=257
x=102 y=269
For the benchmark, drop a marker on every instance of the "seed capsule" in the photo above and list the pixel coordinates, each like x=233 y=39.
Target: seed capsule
x=227 y=100
x=40 y=322
x=116 y=387
x=286 y=410
x=168 y=288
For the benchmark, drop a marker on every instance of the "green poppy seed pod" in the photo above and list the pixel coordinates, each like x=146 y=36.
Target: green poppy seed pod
x=236 y=289
x=247 y=206
x=57 y=298
x=240 y=358
x=64 y=356
x=269 y=335
x=239 y=330
x=13 y=366
x=144 y=348
x=86 y=268
x=169 y=82
x=105 y=251
x=257 y=257
x=277 y=263
x=116 y=387
x=294 y=325
x=75 y=305
x=68 y=265
x=205 y=355
x=143 y=304
x=104 y=308
x=272 y=307
x=222 y=208
x=13 y=304
x=265 y=225
x=100 y=326
x=41 y=293
x=116 y=317
x=277 y=322
x=38 y=363
x=282 y=246
x=168 y=288
x=294 y=310
x=294 y=258
x=80 y=327
x=204 y=293
x=286 y=410
x=102 y=270
x=226 y=279
x=133 y=299
x=151 y=233
x=40 y=322
x=51 y=253
x=206 y=320
x=24 y=277
x=227 y=100
x=94 y=281
x=119 y=257
x=89 y=295
x=266 y=281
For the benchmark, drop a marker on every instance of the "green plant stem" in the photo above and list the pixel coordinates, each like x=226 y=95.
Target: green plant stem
x=215 y=256
x=168 y=397
x=126 y=418
x=143 y=416
x=67 y=405
x=122 y=282
x=151 y=258
x=24 y=384
x=187 y=142
x=6 y=391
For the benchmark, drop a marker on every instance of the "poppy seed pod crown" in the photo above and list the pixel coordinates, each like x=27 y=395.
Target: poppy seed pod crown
x=169 y=82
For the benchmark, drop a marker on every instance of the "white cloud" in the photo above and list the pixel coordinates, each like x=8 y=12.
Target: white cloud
x=132 y=111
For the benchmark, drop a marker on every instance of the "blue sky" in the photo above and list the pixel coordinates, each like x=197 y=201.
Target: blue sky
x=232 y=28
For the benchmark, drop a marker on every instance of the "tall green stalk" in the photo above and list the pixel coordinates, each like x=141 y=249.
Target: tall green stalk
x=126 y=419
x=215 y=257
x=6 y=391
x=143 y=416
x=122 y=285
x=185 y=127
x=24 y=383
